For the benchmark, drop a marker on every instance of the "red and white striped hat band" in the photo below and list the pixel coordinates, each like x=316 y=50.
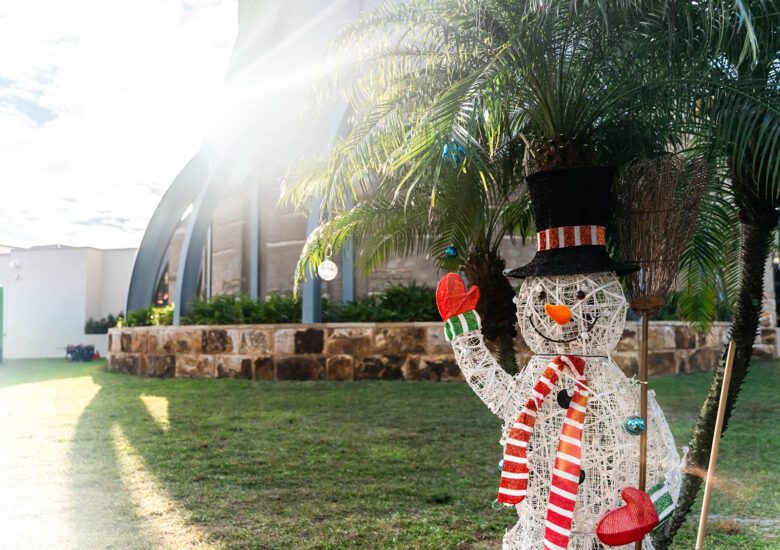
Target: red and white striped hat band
x=572 y=235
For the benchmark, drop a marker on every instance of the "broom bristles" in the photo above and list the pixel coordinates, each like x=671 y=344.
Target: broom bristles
x=657 y=202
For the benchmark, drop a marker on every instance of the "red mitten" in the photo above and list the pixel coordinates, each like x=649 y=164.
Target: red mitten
x=629 y=523
x=452 y=297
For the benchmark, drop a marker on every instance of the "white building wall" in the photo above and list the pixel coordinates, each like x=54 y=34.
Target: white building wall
x=93 y=291
x=117 y=267
x=50 y=292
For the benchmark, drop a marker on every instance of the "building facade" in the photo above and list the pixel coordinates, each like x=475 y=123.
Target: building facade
x=49 y=293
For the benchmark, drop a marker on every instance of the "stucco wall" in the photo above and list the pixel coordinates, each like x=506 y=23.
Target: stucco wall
x=50 y=292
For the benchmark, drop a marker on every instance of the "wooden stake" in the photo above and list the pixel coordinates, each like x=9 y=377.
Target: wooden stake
x=643 y=408
x=724 y=394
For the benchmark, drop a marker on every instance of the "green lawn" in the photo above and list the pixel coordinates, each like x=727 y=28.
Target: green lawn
x=113 y=461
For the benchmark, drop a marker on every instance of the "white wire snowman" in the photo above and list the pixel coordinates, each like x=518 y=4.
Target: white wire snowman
x=570 y=438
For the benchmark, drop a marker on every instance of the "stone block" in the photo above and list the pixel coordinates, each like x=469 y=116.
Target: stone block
x=126 y=341
x=703 y=360
x=179 y=340
x=114 y=341
x=254 y=341
x=195 y=366
x=138 y=340
x=441 y=367
x=684 y=338
x=216 y=341
x=629 y=341
x=339 y=367
x=768 y=316
x=763 y=351
x=661 y=337
x=155 y=341
x=661 y=362
x=124 y=362
x=435 y=341
x=160 y=366
x=233 y=366
x=348 y=341
x=628 y=361
x=309 y=340
x=379 y=367
x=264 y=368
x=300 y=368
x=235 y=337
x=717 y=337
x=769 y=336
x=682 y=358
x=284 y=341
x=400 y=339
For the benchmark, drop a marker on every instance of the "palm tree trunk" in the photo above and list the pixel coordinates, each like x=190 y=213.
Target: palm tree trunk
x=495 y=305
x=759 y=218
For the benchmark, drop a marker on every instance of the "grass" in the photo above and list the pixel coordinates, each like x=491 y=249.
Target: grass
x=142 y=463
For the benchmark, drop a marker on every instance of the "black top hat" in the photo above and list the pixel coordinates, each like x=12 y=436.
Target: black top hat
x=571 y=208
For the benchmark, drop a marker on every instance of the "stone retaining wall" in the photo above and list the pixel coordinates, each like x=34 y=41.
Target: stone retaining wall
x=362 y=351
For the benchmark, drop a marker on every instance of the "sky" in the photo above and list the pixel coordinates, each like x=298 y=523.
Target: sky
x=101 y=104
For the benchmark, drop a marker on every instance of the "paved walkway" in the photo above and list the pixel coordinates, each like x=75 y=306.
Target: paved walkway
x=66 y=482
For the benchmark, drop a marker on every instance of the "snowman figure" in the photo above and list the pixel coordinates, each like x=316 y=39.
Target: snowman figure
x=571 y=426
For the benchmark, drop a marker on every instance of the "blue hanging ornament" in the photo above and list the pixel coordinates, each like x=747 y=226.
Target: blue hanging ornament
x=634 y=425
x=451 y=252
x=453 y=153
x=500 y=465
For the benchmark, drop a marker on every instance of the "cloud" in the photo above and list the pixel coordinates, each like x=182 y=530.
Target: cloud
x=101 y=105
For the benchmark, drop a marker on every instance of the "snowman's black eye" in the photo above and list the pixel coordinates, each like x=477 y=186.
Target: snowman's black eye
x=581 y=294
x=542 y=296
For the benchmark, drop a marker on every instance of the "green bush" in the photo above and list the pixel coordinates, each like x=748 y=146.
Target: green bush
x=398 y=303
x=237 y=310
x=151 y=316
x=94 y=326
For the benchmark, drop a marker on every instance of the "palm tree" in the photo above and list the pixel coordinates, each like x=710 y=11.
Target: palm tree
x=566 y=84
x=510 y=86
x=464 y=230
x=751 y=154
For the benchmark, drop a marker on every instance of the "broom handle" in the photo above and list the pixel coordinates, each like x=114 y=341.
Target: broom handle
x=724 y=394
x=643 y=409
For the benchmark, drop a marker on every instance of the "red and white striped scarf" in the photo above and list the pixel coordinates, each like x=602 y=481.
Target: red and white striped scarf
x=566 y=470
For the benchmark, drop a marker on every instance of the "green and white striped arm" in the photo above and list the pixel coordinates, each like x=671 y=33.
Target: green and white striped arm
x=662 y=501
x=460 y=324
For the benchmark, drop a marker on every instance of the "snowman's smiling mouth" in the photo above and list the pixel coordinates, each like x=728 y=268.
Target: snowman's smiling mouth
x=570 y=340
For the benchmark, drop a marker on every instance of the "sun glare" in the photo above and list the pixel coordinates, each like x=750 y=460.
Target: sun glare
x=164 y=518
x=157 y=407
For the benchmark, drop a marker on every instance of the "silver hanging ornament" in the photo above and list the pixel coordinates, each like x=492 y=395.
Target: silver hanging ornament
x=328 y=269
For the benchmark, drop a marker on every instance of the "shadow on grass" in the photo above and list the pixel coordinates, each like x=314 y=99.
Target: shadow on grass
x=286 y=465
x=171 y=463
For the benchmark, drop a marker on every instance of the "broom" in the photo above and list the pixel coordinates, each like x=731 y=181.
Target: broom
x=657 y=204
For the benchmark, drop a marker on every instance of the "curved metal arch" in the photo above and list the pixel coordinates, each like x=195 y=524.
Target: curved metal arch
x=153 y=250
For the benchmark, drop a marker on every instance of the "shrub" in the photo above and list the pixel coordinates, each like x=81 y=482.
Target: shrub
x=94 y=326
x=398 y=303
x=237 y=310
x=151 y=316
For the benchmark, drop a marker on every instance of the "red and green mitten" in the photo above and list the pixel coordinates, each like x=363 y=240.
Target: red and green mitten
x=457 y=306
x=642 y=513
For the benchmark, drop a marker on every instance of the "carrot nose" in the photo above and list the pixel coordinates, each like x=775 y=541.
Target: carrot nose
x=560 y=314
